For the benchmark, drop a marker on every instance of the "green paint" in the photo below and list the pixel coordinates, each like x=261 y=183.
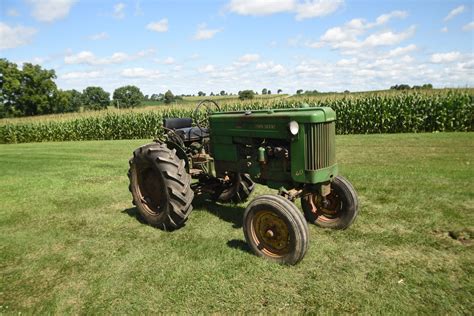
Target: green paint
x=241 y=137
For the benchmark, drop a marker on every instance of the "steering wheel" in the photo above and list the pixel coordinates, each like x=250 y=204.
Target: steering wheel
x=202 y=111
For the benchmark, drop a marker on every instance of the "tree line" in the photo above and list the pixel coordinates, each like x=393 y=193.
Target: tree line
x=31 y=90
x=407 y=87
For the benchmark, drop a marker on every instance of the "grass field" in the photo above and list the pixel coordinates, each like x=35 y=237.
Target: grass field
x=70 y=241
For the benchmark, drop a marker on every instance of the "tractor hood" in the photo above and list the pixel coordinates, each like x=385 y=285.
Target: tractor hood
x=300 y=115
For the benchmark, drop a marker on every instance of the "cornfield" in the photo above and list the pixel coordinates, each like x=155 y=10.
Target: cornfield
x=402 y=112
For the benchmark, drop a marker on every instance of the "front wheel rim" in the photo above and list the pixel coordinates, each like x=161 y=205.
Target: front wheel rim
x=270 y=233
x=330 y=213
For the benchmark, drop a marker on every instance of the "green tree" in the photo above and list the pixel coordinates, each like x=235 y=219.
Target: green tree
x=169 y=97
x=299 y=91
x=264 y=91
x=246 y=94
x=32 y=91
x=279 y=91
x=269 y=92
x=222 y=92
x=74 y=100
x=61 y=102
x=10 y=85
x=127 y=97
x=29 y=91
x=201 y=94
x=95 y=98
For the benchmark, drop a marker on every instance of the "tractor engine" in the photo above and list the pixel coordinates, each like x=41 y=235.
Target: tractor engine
x=279 y=148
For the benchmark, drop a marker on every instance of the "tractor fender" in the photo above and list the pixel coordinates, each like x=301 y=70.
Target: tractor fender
x=180 y=152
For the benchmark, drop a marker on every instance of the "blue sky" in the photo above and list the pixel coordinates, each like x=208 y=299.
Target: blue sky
x=232 y=45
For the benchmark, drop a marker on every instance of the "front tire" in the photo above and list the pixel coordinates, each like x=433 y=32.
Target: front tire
x=342 y=209
x=160 y=186
x=275 y=229
x=238 y=189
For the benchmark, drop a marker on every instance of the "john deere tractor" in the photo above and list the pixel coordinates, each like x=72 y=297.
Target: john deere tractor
x=223 y=155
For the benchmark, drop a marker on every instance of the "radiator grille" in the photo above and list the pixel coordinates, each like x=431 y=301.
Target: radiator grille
x=320 y=145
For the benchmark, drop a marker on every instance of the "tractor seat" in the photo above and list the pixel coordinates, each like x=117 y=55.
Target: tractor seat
x=177 y=123
x=183 y=127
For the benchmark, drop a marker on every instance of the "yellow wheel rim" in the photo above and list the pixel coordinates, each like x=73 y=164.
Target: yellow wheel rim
x=270 y=233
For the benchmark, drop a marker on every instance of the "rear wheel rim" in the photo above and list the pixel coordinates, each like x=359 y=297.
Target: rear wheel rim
x=270 y=233
x=150 y=190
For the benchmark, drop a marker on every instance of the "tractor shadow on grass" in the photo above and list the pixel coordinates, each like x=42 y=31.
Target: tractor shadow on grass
x=230 y=213
x=133 y=212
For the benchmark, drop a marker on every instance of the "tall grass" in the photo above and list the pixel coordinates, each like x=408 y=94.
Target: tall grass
x=399 y=112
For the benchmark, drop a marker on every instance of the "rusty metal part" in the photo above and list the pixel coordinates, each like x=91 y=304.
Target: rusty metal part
x=149 y=188
x=325 y=189
x=327 y=208
x=291 y=195
x=271 y=233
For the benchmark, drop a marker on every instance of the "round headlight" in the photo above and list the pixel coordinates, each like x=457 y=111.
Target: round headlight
x=293 y=127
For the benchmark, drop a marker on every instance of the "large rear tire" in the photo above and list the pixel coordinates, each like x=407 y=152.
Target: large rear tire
x=237 y=190
x=160 y=186
x=276 y=229
x=342 y=208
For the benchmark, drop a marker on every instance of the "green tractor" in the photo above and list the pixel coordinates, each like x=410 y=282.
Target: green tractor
x=223 y=154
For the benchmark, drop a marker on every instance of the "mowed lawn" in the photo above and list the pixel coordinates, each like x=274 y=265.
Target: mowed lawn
x=70 y=241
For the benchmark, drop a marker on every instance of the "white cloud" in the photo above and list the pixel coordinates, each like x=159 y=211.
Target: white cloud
x=454 y=12
x=337 y=34
x=388 y=38
x=51 y=10
x=140 y=73
x=407 y=59
x=146 y=52
x=441 y=58
x=260 y=7
x=272 y=68
x=402 y=50
x=316 y=8
x=119 y=10
x=87 y=57
x=444 y=29
x=159 y=26
x=207 y=69
x=384 y=18
x=12 y=12
x=116 y=58
x=346 y=62
x=169 y=61
x=203 y=33
x=99 y=36
x=345 y=37
x=15 y=36
x=248 y=58
x=80 y=75
x=468 y=27
x=303 y=9
x=84 y=57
